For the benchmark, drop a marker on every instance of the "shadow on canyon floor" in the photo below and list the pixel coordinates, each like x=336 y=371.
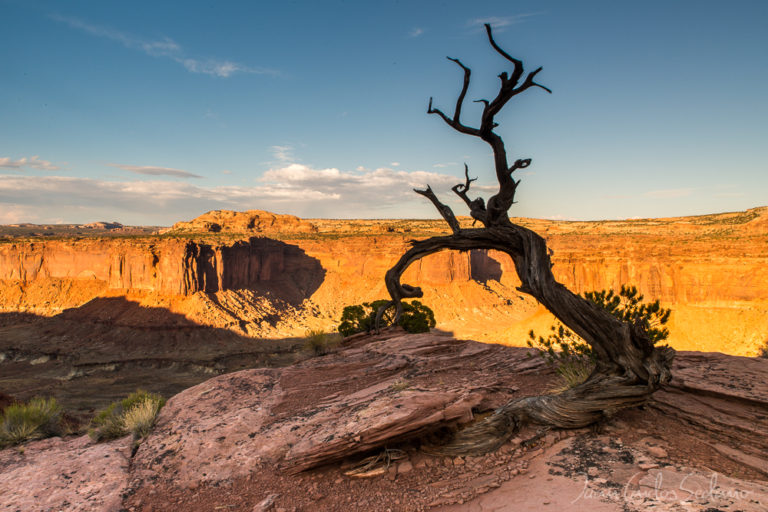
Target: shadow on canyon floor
x=89 y=356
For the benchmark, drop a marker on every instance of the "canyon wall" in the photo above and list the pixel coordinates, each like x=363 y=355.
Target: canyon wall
x=176 y=267
x=712 y=272
x=183 y=267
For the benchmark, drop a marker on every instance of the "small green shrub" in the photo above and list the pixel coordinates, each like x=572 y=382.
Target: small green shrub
x=416 y=317
x=573 y=358
x=38 y=418
x=628 y=306
x=319 y=342
x=129 y=415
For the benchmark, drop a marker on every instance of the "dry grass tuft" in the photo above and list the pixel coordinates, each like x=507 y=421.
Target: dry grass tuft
x=572 y=373
x=134 y=414
x=38 y=418
x=140 y=419
x=319 y=343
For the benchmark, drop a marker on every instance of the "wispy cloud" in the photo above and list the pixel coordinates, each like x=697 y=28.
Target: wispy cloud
x=156 y=171
x=416 y=32
x=282 y=154
x=669 y=193
x=165 y=48
x=295 y=188
x=499 y=22
x=33 y=162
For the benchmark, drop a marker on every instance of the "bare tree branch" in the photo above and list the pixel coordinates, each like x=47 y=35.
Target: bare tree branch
x=476 y=206
x=460 y=101
x=444 y=209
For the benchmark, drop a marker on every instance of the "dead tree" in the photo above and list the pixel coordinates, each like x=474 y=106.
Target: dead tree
x=629 y=368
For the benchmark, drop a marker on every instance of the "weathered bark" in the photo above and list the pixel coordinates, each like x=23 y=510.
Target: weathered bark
x=628 y=366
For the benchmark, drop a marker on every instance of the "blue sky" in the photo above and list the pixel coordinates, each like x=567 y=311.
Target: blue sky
x=153 y=112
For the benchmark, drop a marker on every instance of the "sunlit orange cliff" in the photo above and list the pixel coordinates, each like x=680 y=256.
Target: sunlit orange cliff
x=265 y=275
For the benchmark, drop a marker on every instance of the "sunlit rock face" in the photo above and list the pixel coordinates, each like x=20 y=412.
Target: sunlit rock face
x=251 y=221
x=711 y=270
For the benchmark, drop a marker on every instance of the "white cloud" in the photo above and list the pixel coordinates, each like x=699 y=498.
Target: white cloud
x=282 y=154
x=395 y=164
x=385 y=182
x=153 y=202
x=416 y=32
x=295 y=188
x=669 y=193
x=166 y=48
x=156 y=171
x=33 y=162
x=499 y=22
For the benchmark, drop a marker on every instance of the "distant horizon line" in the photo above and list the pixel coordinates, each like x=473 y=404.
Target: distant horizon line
x=625 y=219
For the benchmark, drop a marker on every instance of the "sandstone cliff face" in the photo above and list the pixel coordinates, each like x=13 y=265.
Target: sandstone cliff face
x=712 y=271
x=175 y=267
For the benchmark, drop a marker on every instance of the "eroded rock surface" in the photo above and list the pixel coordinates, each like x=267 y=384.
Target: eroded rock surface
x=64 y=474
x=284 y=438
x=326 y=409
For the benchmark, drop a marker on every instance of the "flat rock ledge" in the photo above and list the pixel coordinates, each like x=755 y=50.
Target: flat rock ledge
x=326 y=409
x=250 y=437
x=64 y=474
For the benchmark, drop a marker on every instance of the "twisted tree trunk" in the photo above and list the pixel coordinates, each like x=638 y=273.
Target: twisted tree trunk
x=629 y=368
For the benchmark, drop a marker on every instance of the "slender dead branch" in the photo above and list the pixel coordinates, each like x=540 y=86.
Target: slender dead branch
x=476 y=206
x=444 y=209
x=451 y=122
x=464 y=88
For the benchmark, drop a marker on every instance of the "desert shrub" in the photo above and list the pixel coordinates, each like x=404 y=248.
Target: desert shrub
x=573 y=358
x=36 y=419
x=763 y=351
x=134 y=414
x=628 y=306
x=319 y=342
x=140 y=418
x=416 y=317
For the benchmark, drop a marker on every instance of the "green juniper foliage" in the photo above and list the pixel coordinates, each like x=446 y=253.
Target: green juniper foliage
x=573 y=358
x=416 y=317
